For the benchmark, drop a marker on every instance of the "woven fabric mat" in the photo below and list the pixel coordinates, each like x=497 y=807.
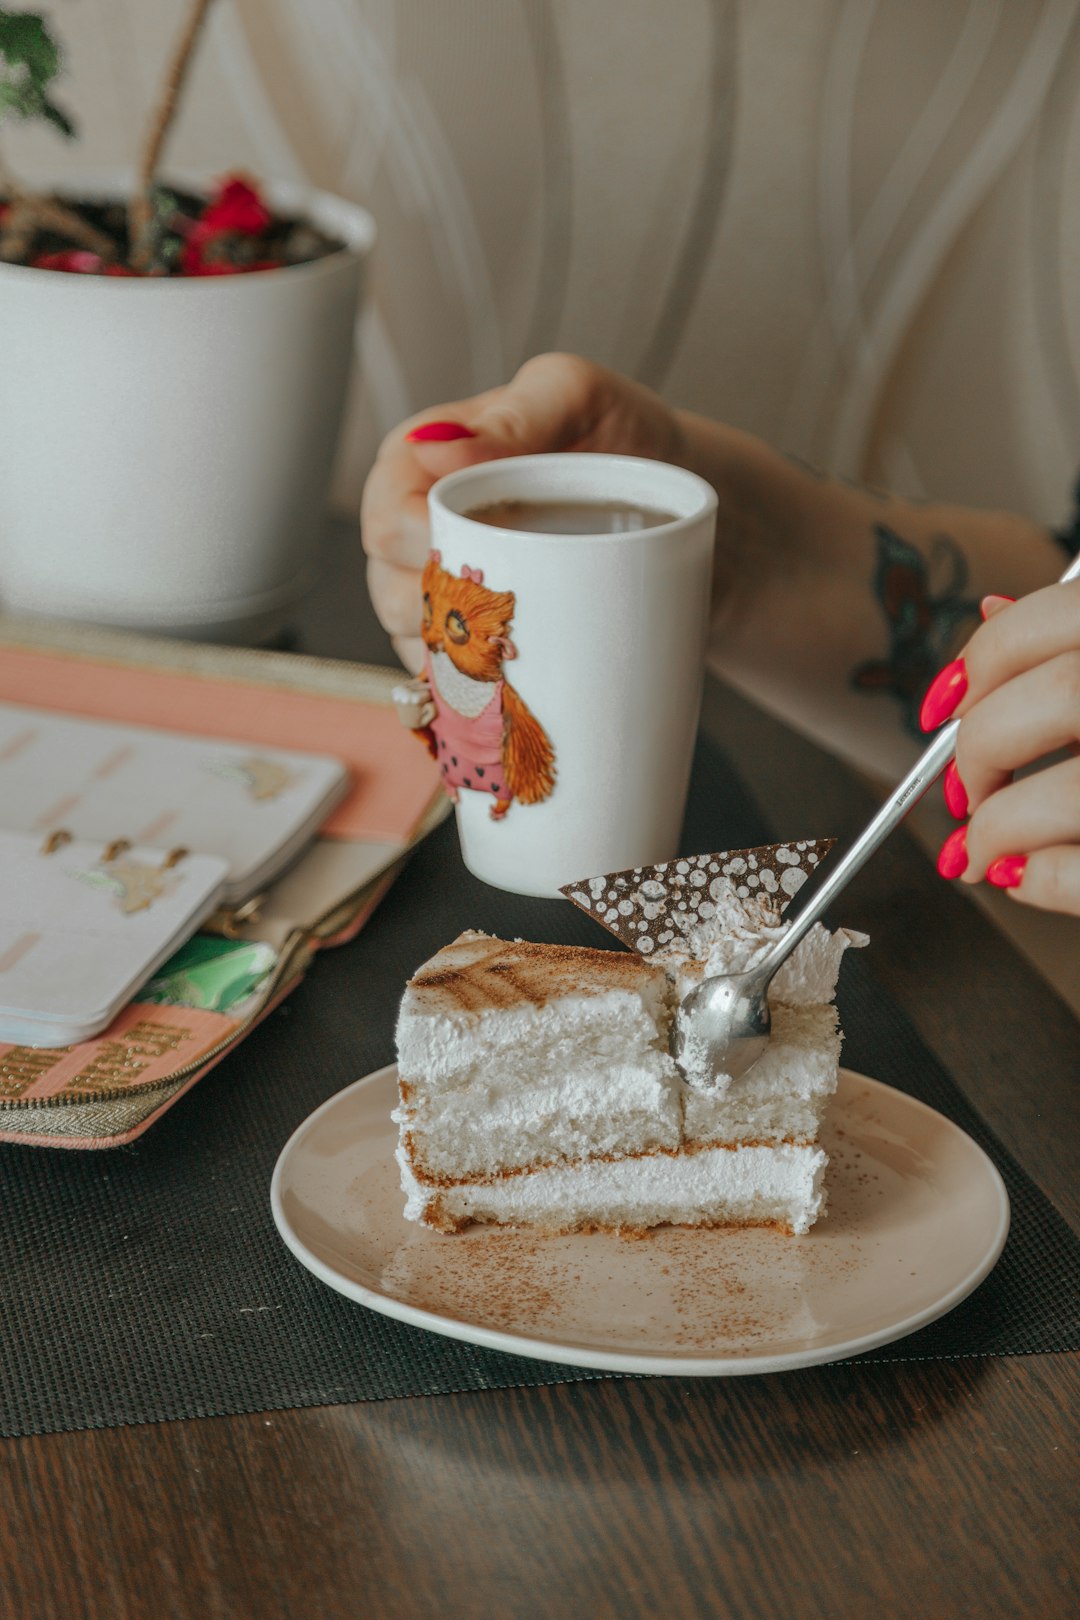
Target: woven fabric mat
x=149 y=1283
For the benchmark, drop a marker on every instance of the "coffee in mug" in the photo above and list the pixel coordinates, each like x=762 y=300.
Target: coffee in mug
x=571 y=517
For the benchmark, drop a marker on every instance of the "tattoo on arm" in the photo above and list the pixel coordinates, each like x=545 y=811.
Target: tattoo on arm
x=924 y=603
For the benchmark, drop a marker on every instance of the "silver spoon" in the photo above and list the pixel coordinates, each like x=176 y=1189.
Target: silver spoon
x=722 y=1027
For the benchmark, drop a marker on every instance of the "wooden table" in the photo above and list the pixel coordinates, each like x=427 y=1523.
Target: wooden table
x=940 y=1488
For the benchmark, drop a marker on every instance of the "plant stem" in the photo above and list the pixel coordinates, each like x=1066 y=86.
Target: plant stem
x=140 y=211
x=30 y=212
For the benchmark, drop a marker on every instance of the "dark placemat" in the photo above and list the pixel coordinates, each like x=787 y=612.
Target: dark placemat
x=149 y=1282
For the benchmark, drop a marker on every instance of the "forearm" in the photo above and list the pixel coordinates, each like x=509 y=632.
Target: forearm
x=834 y=603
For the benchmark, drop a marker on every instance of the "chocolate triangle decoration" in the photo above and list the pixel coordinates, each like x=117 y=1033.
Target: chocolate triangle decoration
x=651 y=907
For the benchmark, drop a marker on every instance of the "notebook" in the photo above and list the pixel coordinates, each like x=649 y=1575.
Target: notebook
x=82 y=927
x=211 y=992
x=254 y=806
x=117 y=841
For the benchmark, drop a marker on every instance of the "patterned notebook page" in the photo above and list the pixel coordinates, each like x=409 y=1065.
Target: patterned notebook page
x=82 y=926
x=252 y=805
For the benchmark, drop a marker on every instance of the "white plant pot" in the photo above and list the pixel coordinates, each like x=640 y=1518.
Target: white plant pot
x=166 y=445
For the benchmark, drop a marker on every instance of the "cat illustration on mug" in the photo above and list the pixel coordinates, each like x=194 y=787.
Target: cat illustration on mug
x=482 y=733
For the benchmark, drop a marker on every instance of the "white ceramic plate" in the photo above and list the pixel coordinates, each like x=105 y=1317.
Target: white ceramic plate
x=917 y=1217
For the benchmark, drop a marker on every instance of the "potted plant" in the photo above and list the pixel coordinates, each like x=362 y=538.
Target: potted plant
x=175 y=363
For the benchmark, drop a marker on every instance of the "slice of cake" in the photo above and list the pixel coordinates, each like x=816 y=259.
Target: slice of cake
x=537 y=1086
x=513 y=1056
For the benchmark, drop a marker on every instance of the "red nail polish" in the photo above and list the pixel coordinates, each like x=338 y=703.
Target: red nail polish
x=953 y=858
x=440 y=432
x=1007 y=871
x=989 y=604
x=956 y=797
x=946 y=691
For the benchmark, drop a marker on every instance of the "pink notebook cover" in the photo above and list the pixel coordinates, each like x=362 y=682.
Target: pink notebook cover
x=394 y=783
x=393 y=779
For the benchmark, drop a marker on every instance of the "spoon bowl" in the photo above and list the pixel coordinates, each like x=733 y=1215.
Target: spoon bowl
x=722 y=1028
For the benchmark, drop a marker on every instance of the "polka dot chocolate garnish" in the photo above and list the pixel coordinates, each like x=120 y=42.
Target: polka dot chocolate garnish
x=651 y=907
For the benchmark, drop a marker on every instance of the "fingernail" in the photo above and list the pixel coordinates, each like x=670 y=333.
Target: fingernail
x=946 y=691
x=955 y=792
x=953 y=858
x=1007 y=871
x=993 y=604
x=440 y=432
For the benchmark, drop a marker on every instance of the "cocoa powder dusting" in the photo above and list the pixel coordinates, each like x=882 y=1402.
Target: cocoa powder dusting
x=477 y=973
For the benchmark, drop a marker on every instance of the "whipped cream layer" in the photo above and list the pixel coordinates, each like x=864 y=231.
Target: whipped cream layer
x=512 y=1055
x=487 y=1007
x=514 y=1120
x=783 y=1097
x=731 y=935
x=738 y=933
x=748 y=1186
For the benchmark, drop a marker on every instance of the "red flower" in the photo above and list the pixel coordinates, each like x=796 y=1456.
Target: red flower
x=237 y=207
x=76 y=261
x=235 y=210
x=80 y=262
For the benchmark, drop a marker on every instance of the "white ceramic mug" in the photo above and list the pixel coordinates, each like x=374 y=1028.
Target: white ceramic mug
x=566 y=669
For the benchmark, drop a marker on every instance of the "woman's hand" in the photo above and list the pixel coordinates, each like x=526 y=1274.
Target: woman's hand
x=1017 y=692
x=555 y=402
x=793 y=609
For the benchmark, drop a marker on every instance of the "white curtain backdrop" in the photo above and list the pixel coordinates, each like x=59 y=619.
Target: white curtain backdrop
x=849 y=225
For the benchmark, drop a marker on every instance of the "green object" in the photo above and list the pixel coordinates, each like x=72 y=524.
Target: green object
x=210 y=973
x=165 y=246
x=29 y=61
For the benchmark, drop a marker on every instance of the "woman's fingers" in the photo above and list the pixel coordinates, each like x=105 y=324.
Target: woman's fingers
x=553 y=403
x=393 y=510
x=395 y=596
x=410 y=649
x=1021 y=674
x=1032 y=715
x=1038 y=627
x=394 y=515
x=991 y=606
x=1040 y=812
x=1051 y=880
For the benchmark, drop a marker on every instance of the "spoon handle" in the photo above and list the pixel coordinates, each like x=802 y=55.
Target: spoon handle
x=907 y=793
